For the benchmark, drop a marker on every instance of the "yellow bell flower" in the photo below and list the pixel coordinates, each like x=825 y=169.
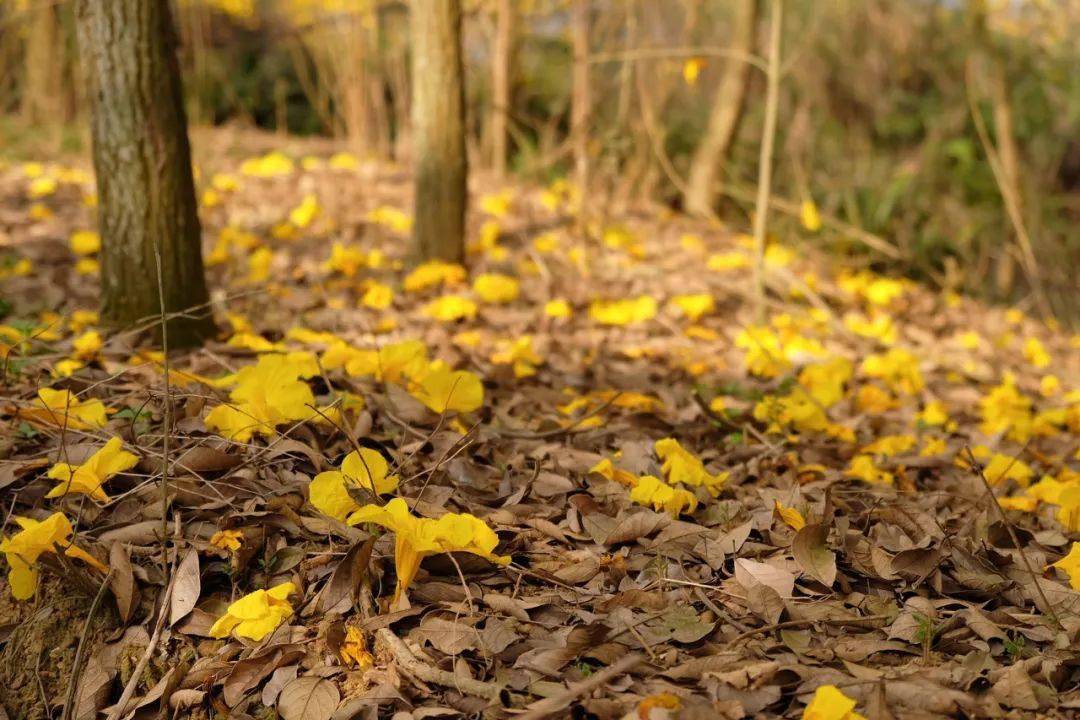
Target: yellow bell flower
x=273 y=164
x=889 y=445
x=605 y=468
x=377 y=296
x=444 y=390
x=433 y=273
x=1004 y=467
x=694 y=306
x=354 y=649
x=809 y=216
x=257 y=614
x=451 y=308
x=230 y=540
x=62 y=408
x=863 y=468
x=393 y=218
x=789 y=515
x=267 y=394
x=84 y=242
x=650 y=490
x=558 y=308
x=623 y=312
x=1006 y=409
x=1070 y=564
x=496 y=289
x=415 y=538
x=364 y=471
x=681 y=466
x=345 y=259
x=831 y=704
x=87 y=479
x=36 y=537
x=519 y=353
x=497 y=204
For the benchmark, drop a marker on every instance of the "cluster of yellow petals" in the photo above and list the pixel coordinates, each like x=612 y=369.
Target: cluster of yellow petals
x=87 y=478
x=415 y=537
x=266 y=395
x=257 y=614
x=35 y=537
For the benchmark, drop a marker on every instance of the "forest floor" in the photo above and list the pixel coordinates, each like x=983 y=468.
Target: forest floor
x=697 y=515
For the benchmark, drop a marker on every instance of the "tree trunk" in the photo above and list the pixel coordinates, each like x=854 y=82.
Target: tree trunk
x=438 y=131
x=725 y=116
x=41 y=91
x=579 y=100
x=500 y=84
x=150 y=232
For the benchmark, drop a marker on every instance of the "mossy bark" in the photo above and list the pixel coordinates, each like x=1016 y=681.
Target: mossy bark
x=142 y=159
x=438 y=131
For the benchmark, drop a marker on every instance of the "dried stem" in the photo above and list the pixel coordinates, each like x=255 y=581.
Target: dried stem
x=768 y=140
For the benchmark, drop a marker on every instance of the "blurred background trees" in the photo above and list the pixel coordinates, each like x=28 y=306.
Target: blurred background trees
x=948 y=128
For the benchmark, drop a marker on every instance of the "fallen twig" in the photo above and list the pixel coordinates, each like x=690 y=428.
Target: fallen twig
x=434 y=675
x=554 y=704
x=548 y=434
x=977 y=468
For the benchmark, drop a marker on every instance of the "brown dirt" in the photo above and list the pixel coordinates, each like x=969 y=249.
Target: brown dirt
x=36 y=660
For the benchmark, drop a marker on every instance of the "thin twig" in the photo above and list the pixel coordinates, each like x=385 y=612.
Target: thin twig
x=525 y=435
x=167 y=418
x=765 y=161
x=548 y=707
x=414 y=666
x=838 y=622
x=977 y=468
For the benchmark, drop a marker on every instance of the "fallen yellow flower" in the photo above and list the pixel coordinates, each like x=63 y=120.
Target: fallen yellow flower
x=789 y=515
x=831 y=704
x=61 y=408
x=84 y=242
x=683 y=467
x=257 y=614
x=650 y=490
x=496 y=289
x=451 y=308
x=266 y=395
x=415 y=538
x=444 y=390
x=365 y=472
x=24 y=548
x=623 y=312
x=354 y=649
x=230 y=540
x=1070 y=564
x=87 y=479
x=519 y=353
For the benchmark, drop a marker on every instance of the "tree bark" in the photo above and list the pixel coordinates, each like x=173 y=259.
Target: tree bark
x=150 y=234
x=580 y=96
x=438 y=131
x=41 y=101
x=724 y=118
x=500 y=84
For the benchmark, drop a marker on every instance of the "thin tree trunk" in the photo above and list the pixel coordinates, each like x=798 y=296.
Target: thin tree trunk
x=768 y=138
x=724 y=119
x=580 y=96
x=147 y=212
x=500 y=84
x=438 y=131
x=41 y=92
